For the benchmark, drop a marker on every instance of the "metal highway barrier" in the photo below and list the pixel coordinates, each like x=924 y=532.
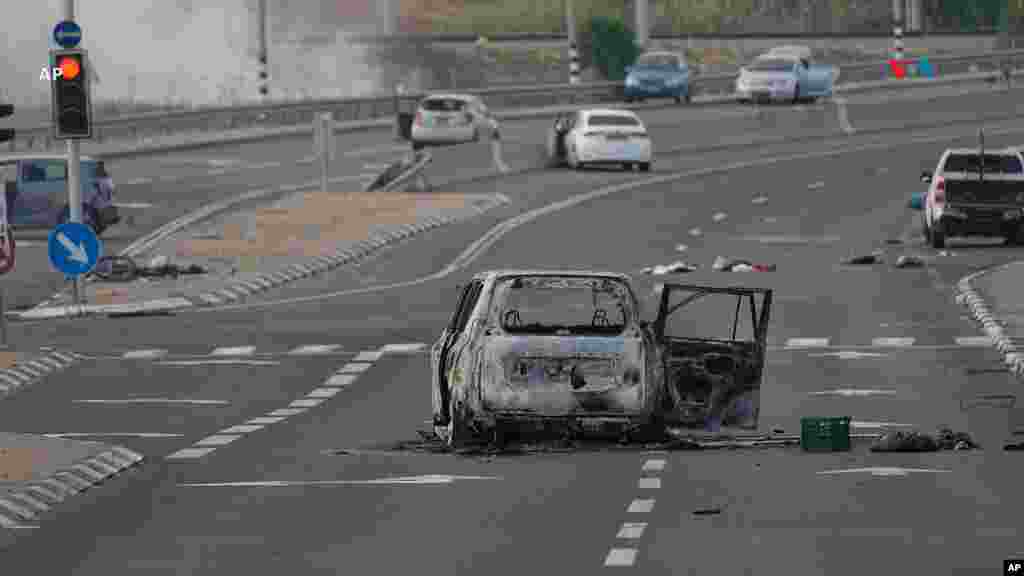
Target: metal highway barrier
x=216 y=119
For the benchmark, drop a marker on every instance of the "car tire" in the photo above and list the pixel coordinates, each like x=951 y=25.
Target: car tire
x=645 y=166
x=629 y=100
x=796 y=94
x=938 y=236
x=476 y=134
x=417 y=146
x=679 y=99
x=688 y=97
x=458 y=431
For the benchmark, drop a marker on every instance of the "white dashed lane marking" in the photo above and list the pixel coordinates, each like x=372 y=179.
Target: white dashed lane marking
x=352 y=368
x=620 y=557
x=242 y=429
x=892 y=342
x=188 y=453
x=218 y=440
x=234 y=351
x=649 y=483
x=807 y=343
x=654 y=466
x=315 y=349
x=631 y=530
x=641 y=506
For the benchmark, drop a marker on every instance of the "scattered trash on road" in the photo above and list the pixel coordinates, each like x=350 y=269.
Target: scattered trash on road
x=947 y=253
x=677 y=267
x=873 y=258
x=695 y=232
x=681 y=247
x=124 y=269
x=725 y=265
x=759 y=200
x=707 y=511
x=907 y=261
x=815 y=185
x=894 y=241
x=719 y=216
x=944 y=439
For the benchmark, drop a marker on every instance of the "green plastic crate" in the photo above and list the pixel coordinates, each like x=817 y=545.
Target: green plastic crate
x=830 y=434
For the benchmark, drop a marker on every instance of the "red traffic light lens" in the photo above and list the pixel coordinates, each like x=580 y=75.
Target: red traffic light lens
x=69 y=68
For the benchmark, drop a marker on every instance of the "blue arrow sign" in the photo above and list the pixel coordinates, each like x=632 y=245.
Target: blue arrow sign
x=74 y=248
x=67 y=34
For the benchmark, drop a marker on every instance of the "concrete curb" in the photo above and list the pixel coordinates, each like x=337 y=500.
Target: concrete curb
x=968 y=296
x=26 y=504
x=24 y=374
x=316 y=265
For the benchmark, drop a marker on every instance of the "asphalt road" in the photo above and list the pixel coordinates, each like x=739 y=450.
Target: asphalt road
x=750 y=511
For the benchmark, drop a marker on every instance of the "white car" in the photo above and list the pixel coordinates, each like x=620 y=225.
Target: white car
x=600 y=137
x=446 y=119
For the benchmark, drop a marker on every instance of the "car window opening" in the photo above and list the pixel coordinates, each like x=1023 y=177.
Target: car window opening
x=771 y=66
x=994 y=163
x=562 y=306
x=443 y=105
x=609 y=120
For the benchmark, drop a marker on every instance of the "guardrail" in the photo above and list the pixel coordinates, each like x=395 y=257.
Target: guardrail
x=268 y=115
x=561 y=37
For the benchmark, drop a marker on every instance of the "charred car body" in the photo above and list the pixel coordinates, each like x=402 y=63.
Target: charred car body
x=554 y=348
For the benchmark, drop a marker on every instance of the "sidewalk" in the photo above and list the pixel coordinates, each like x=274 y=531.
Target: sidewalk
x=260 y=247
x=995 y=299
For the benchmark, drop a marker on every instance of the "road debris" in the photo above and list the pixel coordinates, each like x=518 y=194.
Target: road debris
x=677 y=267
x=124 y=269
x=707 y=511
x=719 y=216
x=695 y=232
x=815 y=185
x=681 y=247
x=944 y=439
x=726 y=265
x=908 y=261
x=873 y=258
x=759 y=200
x=894 y=241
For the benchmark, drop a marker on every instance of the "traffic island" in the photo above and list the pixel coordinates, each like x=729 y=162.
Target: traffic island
x=39 y=472
x=993 y=297
x=254 y=249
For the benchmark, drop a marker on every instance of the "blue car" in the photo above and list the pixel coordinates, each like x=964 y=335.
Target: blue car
x=658 y=75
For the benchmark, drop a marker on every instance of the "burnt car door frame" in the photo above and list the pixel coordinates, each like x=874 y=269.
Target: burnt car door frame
x=453 y=331
x=759 y=320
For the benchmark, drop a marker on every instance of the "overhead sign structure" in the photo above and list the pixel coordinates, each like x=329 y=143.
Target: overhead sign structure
x=67 y=34
x=74 y=248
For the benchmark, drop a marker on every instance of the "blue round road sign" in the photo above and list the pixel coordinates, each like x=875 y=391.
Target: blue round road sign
x=67 y=34
x=74 y=248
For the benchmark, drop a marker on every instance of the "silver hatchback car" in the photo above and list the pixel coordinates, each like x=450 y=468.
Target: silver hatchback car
x=447 y=119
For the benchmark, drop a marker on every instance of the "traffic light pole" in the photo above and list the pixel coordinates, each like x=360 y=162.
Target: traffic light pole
x=74 y=172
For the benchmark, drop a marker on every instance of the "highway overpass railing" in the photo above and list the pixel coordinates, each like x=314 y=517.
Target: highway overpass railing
x=294 y=113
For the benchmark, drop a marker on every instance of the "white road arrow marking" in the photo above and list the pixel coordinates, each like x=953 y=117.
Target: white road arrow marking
x=879 y=471
x=113 y=434
x=853 y=392
x=849 y=355
x=76 y=253
x=155 y=401
x=424 y=479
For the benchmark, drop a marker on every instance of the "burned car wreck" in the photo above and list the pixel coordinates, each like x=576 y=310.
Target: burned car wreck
x=527 y=349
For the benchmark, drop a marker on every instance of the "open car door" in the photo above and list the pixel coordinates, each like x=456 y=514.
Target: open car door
x=713 y=342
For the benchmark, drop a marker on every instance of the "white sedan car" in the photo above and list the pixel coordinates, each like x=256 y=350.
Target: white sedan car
x=600 y=137
x=447 y=119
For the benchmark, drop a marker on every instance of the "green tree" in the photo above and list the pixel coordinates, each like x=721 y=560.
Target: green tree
x=612 y=48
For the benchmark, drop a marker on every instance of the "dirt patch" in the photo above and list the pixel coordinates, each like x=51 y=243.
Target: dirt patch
x=18 y=464
x=8 y=359
x=314 y=223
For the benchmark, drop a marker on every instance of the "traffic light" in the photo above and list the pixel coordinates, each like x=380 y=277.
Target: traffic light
x=72 y=106
x=6 y=133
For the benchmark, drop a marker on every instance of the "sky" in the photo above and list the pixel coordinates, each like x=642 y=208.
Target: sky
x=192 y=51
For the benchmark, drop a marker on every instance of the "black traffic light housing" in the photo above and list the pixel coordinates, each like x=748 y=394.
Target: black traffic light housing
x=6 y=134
x=72 y=102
